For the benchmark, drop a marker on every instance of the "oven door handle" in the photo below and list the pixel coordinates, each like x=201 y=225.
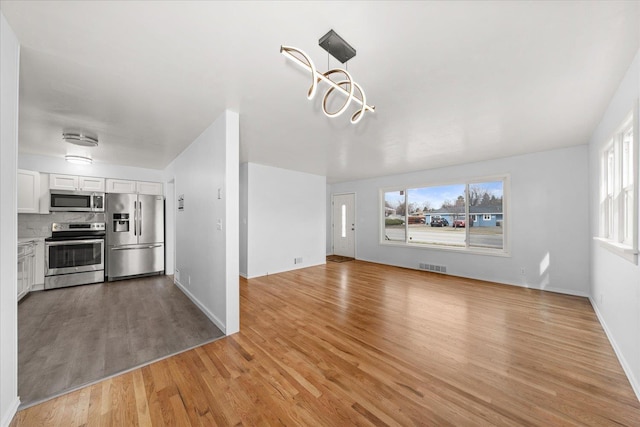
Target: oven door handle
x=73 y=242
x=136 y=247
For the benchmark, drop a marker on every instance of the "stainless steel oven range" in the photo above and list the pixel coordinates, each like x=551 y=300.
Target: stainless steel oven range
x=74 y=254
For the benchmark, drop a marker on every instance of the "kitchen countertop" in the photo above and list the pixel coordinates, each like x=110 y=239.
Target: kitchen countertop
x=30 y=239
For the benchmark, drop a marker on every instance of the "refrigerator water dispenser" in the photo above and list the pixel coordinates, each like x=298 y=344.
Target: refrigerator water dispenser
x=121 y=222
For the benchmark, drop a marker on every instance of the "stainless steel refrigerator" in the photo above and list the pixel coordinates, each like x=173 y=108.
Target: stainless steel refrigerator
x=135 y=235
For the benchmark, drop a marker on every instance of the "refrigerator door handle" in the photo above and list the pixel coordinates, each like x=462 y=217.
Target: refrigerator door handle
x=140 y=225
x=134 y=248
x=135 y=220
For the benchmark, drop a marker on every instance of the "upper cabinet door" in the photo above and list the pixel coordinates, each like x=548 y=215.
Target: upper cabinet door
x=134 y=187
x=151 y=188
x=121 y=186
x=91 y=184
x=63 y=182
x=28 y=191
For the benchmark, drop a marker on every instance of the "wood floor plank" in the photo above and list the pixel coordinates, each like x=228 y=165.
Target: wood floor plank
x=142 y=406
x=364 y=344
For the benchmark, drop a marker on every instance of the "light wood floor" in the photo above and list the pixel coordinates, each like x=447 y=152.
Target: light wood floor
x=357 y=343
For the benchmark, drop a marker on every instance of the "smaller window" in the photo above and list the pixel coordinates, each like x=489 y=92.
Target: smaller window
x=487 y=217
x=618 y=191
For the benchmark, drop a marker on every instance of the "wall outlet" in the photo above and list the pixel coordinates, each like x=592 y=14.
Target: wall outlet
x=297 y=260
x=177 y=273
x=522 y=271
x=189 y=279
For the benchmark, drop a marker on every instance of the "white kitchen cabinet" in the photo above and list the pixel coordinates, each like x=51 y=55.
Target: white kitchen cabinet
x=33 y=192
x=120 y=186
x=26 y=264
x=133 y=187
x=91 y=184
x=76 y=183
x=45 y=198
x=28 y=191
x=152 y=188
x=63 y=182
x=38 y=275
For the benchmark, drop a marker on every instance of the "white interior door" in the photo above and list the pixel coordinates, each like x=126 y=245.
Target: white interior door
x=344 y=224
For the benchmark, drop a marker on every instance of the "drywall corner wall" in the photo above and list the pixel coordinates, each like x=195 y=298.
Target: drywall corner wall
x=329 y=218
x=244 y=212
x=206 y=177
x=553 y=252
x=231 y=192
x=615 y=282
x=9 y=72
x=286 y=220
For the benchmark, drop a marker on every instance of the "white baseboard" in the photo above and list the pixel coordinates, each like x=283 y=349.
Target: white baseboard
x=635 y=384
x=565 y=291
x=485 y=279
x=243 y=275
x=201 y=306
x=284 y=271
x=7 y=417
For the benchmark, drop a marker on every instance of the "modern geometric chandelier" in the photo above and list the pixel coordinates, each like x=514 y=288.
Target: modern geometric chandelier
x=342 y=51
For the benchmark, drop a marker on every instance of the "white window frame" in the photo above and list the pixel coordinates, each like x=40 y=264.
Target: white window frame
x=618 y=200
x=506 y=196
x=486 y=217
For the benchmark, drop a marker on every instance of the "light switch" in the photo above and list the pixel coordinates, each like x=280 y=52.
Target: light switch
x=219 y=224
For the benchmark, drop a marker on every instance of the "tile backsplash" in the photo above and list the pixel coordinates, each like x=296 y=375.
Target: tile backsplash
x=38 y=225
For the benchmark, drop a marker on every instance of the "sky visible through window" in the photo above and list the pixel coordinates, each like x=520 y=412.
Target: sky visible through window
x=435 y=196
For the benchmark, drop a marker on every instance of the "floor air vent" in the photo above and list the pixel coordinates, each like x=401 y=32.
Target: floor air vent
x=432 y=267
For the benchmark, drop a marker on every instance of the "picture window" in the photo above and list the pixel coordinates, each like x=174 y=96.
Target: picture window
x=435 y=216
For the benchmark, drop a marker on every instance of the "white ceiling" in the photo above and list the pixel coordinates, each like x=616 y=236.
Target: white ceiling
x=452 y=82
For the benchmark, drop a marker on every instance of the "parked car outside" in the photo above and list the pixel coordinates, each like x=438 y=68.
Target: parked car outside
x=438 y=221
x=416 y=219
x=459 y=223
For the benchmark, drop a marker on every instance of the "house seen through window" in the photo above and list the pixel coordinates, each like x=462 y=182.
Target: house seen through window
x=466 y=216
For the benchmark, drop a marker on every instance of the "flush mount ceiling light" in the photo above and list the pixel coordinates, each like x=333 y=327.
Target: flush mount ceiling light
x=79 y=138
x=342 y=51
x=78 y=160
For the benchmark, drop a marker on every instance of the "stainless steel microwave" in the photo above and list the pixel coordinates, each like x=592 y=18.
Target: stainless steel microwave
x=76 y=201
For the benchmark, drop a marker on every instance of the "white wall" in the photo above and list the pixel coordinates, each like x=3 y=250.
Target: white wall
x=169 y=221
x=231 y=192
x=9 y=71
x=548 y=208
x=207 y=257
x=615 y=282
x=285 y=217
x=244 y=213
